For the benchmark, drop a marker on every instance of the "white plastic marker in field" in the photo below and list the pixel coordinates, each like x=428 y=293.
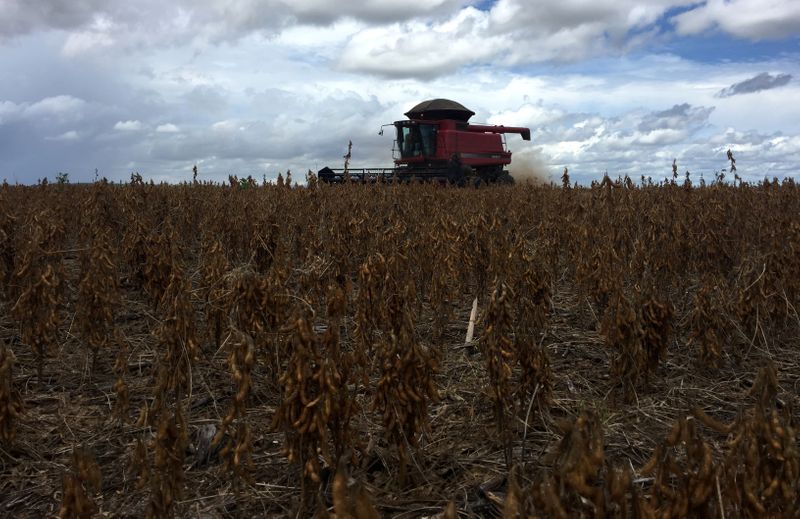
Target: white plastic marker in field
x=471 y=327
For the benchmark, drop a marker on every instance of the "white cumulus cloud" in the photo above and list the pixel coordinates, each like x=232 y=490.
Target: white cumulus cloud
x=53 y=108
x=128 y=126
x=753 y=19
x=167 y=128
x=420 y=49
x=97 y=36
x=70 y=135
x=510 y=32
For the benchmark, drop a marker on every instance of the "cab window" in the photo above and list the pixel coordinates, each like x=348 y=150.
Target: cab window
x=417 y=140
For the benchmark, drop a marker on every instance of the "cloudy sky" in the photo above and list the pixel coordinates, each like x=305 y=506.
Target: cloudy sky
x=261 y=86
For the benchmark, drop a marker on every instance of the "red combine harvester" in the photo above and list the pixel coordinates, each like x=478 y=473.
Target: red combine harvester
x=437 y=143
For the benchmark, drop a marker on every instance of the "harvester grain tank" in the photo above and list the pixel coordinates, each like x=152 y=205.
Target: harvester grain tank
x=437 y=143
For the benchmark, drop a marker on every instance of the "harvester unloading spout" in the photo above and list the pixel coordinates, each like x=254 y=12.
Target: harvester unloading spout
x=483 y=128
x=437 y=143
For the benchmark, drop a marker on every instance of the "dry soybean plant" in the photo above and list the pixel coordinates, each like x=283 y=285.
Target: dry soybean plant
x=122 y=402
x=309 y=386
x=237 y=447
x=346 y=365
x=350 y=501
x=7 y=248
x=655 y=315
x=574 y=486
x=39 y=279
x=406 y=379
x=11 y=407
x=214 y=267
x=178 y=339
x=579 y=459
x=637 y=335
x=534 y=302
x=685 y=474
x=497 y=343
x=166 y=475
x=98 y=296
x=80 y=482
x=707 y=324
x=762 y=467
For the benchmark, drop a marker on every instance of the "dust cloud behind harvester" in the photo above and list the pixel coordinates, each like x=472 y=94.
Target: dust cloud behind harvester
x=528 y=167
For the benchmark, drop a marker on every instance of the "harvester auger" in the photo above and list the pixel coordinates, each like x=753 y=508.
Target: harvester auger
x=438 y=144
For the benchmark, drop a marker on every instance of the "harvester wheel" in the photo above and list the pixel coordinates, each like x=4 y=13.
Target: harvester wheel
x=455 y=176
x=505 y=178
x=457 y=173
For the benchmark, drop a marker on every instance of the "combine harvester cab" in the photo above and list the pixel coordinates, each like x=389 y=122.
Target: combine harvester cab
x=438 y=144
